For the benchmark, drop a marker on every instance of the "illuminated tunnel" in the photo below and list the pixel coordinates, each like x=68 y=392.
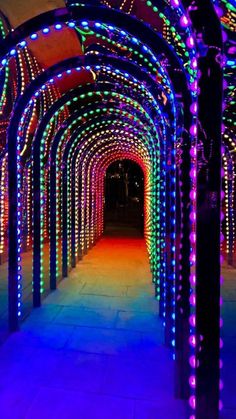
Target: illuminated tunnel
x=138 y=88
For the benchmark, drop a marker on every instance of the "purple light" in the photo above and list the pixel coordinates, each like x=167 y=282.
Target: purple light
x=194 y=108
x=194 y=64
x=190 y=42
x=192 y=300
x=193 y=130
x=192 y=381
x=184 y=22
x=174 y=3
x=193 y=279
x=192 y=402
x=192 y=361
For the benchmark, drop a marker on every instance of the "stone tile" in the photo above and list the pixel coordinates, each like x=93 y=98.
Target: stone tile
x=63 y=404
x=81 y=317
x=43 y=314
x=15 y=400
x=105 y=341
x=139 y=321
x=143 y=378
x=118 y=303
x=161 y=409
x=99 y=289
x=49 y=336
x=229 y=316
x=228 y=414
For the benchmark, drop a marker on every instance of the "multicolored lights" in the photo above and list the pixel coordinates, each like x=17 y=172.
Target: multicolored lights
x=134 y=93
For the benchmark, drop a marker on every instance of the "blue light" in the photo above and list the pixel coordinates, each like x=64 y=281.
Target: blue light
x=46 y=30
x=71 y=24
x=84 y=23
x=33 y=36
x=23 y=44
x=58 y=26
x=12 y=52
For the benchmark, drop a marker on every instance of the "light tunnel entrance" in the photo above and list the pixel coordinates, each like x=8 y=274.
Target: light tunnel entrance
x=120 y=87
x=124 y=198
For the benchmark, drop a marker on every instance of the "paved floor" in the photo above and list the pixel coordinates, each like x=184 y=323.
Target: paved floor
x=94 y=350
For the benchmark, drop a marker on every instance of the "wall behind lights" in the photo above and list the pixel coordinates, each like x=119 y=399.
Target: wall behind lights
x=18 y=11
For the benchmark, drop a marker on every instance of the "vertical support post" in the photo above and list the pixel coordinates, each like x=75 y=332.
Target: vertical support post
x=182 y=281
x=208 y=245
x=73 y=259
x=13 y=237
x=80 y=256
x=64 y=223
x=37 y=232
x=208 y=215
x=53 y=276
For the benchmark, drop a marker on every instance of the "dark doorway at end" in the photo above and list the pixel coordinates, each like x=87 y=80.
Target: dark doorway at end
x=124 y=199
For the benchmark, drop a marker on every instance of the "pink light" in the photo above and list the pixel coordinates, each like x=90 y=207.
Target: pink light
x=192 y=341
x=192 y=237
x=193 y=195
x=193 y=129
x=192 y=320
x=190 y=42
x=192 y=381
x=192 y=300
x=184 y=22
x=194 y=63
x=193 y=173
x=193 y=86
x=193 y=216
x=193 y=279
x=192 y=402
x=192 y=361
x=174 y=3
x=194 y=108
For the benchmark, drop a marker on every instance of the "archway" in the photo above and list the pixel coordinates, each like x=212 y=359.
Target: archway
x=132 y=90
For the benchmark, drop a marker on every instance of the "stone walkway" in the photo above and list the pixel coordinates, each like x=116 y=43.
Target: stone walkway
x=94 y=349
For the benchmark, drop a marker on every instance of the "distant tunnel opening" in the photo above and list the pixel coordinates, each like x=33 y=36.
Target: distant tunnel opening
x=124 y=199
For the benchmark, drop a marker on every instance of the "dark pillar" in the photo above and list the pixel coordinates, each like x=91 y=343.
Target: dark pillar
x=64 y=223
x=13 y=237
x=53 y=267
x=208 y=212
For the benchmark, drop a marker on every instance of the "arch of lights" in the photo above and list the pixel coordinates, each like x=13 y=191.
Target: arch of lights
x=143 y=104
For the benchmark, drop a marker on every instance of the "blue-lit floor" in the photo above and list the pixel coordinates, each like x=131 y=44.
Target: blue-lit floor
x=95 y=349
